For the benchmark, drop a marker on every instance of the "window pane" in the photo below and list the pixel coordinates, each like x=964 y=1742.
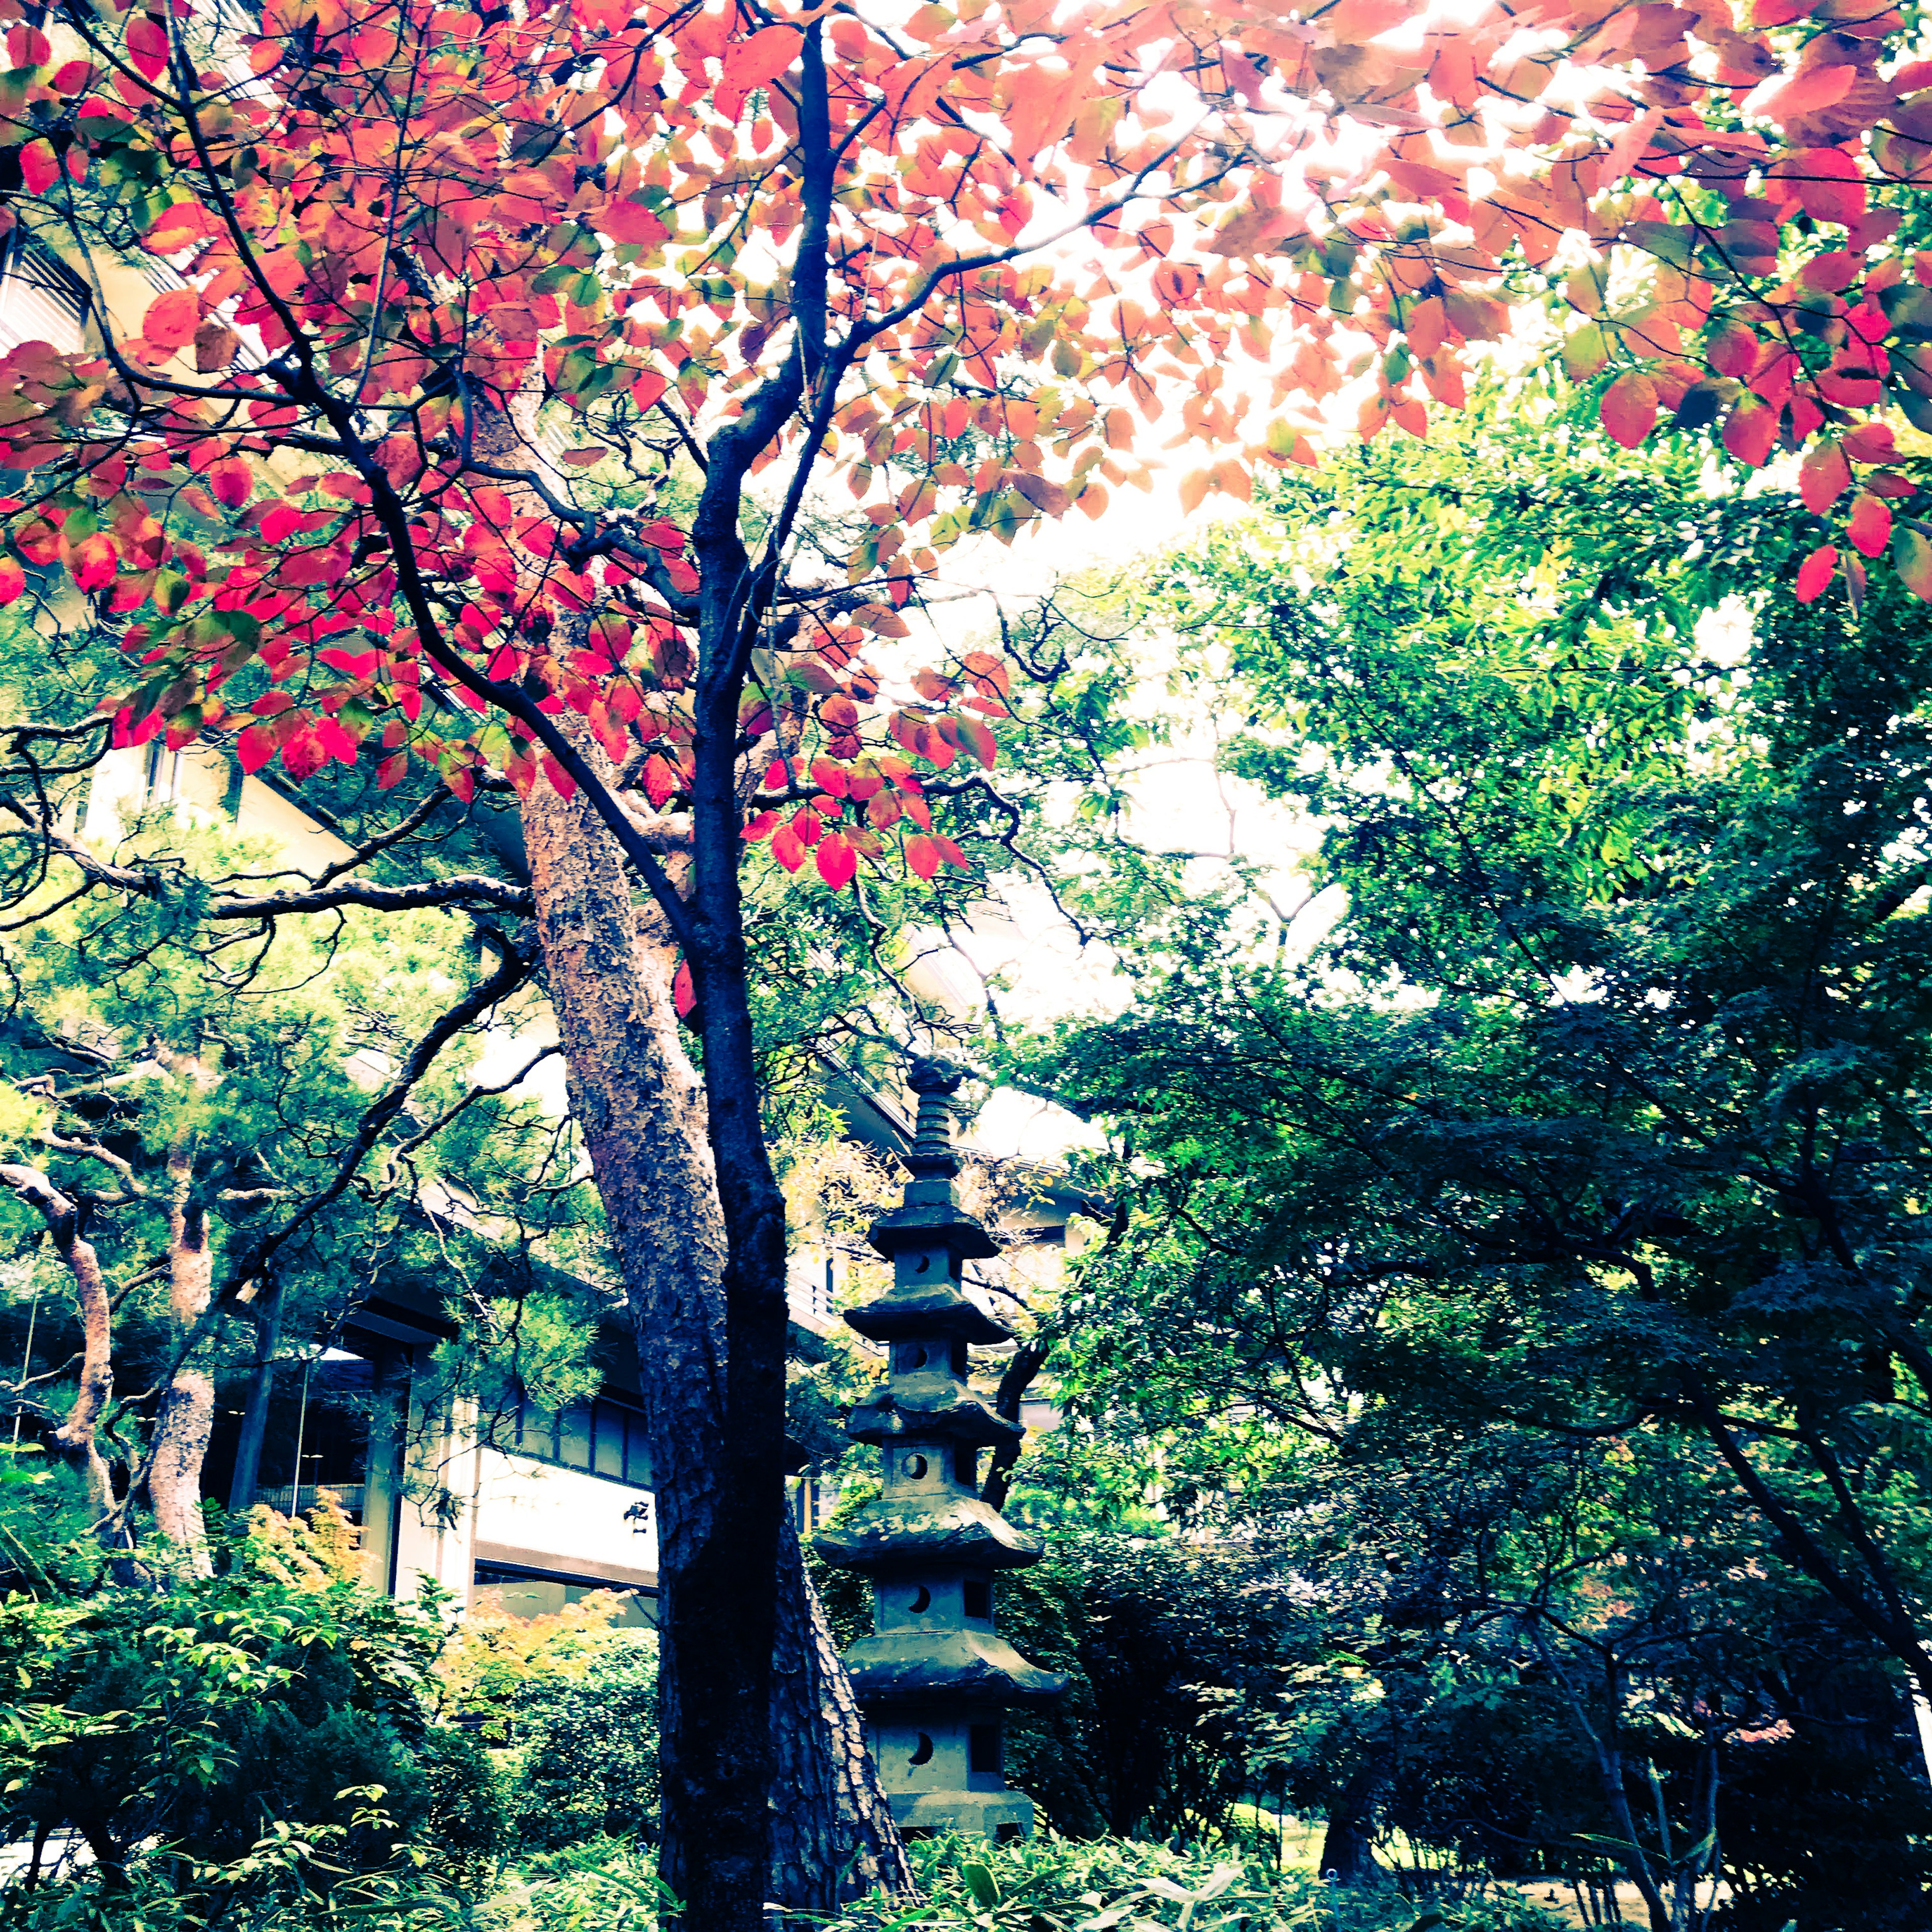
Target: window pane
x=609 y=1456
x=636 y=1454
x=574 y=1437
x=539 y=1432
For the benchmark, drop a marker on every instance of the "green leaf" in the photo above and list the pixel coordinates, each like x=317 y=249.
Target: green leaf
x=981 y=1883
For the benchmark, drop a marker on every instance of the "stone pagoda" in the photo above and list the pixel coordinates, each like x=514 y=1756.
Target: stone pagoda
x=933 y=1679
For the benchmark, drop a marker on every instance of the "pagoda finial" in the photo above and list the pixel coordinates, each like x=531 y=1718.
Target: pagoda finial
x=935 y=1079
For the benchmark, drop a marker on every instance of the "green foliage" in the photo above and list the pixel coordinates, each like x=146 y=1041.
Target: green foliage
x=289 y=1881
x=586 y=1747
x=470 y=1817
x=603 y=1885
x=206 y=1714
x=1177 y=1657
x=1534 y=1259
x=1113 y=1885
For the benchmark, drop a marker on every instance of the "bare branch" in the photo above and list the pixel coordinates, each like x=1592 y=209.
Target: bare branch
x=460 y=889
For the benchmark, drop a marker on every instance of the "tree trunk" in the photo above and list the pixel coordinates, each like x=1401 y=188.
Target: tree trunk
x=247 y=1477
x=1347 y=1845
x=833 y=1835
x=186 y=1418
x=75 y=1441
x=640 y=1107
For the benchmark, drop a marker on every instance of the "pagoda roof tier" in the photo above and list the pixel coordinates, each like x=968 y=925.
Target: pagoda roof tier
x=931 y=1218
x=914 y=1314
x=892 y=1533
x=914 y=1666
x=911 y=1405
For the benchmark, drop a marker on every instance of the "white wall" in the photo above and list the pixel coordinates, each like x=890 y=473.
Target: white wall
x=538 y=1515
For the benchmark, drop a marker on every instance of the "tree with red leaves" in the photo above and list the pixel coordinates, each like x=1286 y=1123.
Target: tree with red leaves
x=447 y=298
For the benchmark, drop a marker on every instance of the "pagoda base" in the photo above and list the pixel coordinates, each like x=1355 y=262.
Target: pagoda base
x=999 y=1815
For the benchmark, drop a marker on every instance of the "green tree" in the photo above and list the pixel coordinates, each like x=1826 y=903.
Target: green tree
x=1595 y=1116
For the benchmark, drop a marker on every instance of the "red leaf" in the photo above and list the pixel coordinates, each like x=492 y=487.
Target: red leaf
x=787 y=847
x=1815 y=573
x=95 y=561
x=257 y=746
x=661 y=780
x=392 y=770
x=1869 y=443
x=1823 y=477
x=179 y=227
x=926 y=852
x=1750 y=430
x=12 y=580
x=838 y=860
x=632 y=221
x=279 y=520
x=683 y=994
x=1869 y=526
x=147 y=45
x=40 y=166
x=1829 y=183
x=169 y=322
x=753 y=63
x=231 y=481
x=1629 y=409
x=561 y=781
x=1733 y=350
x=334 y=741
x=1786 y=97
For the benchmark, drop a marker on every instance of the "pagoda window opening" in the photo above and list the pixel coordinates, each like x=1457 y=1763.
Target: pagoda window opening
x=975 y=1595
x=982 y=1749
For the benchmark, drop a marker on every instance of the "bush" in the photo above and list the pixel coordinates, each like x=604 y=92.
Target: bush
x=585 y=1762
x=1112 y=1885
x=470 y=1816
x=603 y=1885
x=205 y=1716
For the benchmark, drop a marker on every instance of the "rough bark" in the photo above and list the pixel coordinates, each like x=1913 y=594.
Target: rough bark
x=75 y=1441
x=640 y=1106
x=833 y=1835
x=186 y=1417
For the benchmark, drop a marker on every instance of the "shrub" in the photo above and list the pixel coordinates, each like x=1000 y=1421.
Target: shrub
x=470 y=1816
x=208 y=1714
x=1112 y=1884
x=586 y=1747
